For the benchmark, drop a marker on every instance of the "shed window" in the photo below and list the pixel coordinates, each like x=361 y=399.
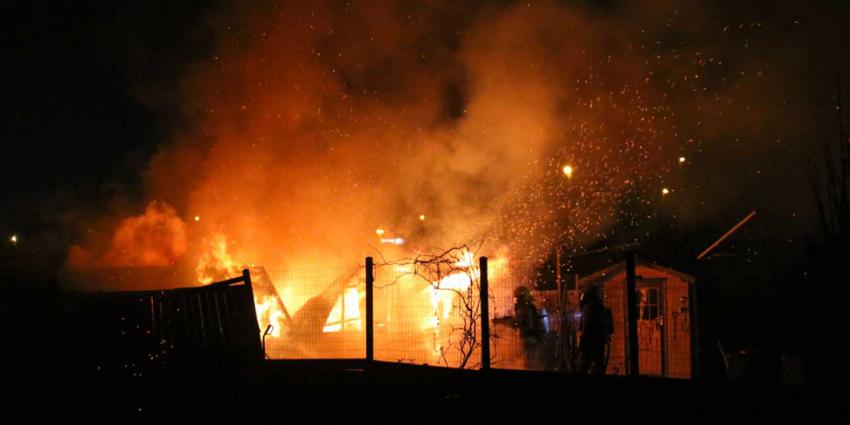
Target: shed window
x=648 y=299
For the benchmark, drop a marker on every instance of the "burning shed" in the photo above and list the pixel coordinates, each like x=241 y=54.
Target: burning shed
x=665 y=313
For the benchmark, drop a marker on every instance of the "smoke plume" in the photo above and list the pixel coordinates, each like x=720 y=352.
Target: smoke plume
x=439 y=122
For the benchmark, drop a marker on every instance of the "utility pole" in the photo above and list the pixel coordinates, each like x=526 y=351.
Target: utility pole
x=370 y=330
x=631 y=312
x=485 y=314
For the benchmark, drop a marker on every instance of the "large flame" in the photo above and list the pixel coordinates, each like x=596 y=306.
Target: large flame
x=215 y=262
x=345 y=314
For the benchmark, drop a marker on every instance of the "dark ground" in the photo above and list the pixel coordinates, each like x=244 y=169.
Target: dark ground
x=328 y=392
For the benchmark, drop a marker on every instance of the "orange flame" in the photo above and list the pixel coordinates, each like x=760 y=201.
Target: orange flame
x=215 y=262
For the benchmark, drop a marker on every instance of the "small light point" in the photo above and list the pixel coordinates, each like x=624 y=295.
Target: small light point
x=568 y=171
x=665 y=191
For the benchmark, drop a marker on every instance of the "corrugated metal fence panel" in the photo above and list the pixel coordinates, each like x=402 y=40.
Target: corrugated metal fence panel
x=125 y=329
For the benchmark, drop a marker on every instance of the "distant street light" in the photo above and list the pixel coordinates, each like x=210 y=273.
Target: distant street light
x=13 y=239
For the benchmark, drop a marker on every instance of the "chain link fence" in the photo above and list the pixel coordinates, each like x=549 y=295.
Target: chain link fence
x=427 y=311
x=312 y=313
x=424 y=315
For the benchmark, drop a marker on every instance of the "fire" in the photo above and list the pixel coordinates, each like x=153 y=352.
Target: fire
x=466 y=260
x=443 y=293
x=346 y=313
x=216 y=262
x=268 y=312
x=315 y=129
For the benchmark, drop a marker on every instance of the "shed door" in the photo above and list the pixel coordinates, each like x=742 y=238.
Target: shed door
x=650 y=311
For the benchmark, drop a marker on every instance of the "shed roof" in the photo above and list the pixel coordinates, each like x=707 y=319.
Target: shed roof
x=617 y=268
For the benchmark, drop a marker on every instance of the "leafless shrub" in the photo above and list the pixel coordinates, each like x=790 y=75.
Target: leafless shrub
x=464 y=337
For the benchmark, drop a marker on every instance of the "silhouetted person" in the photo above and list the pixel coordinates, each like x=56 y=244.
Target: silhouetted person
x=593 y=333
x=528 y=319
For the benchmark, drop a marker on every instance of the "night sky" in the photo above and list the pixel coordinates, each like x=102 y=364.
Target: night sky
x=87 y=101
x=93 y=91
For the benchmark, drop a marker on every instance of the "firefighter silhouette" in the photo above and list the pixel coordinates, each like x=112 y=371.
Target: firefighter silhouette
x=527 y=317
x=594 y=332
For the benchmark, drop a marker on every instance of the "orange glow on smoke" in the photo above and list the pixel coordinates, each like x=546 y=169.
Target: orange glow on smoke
x=156 y=238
